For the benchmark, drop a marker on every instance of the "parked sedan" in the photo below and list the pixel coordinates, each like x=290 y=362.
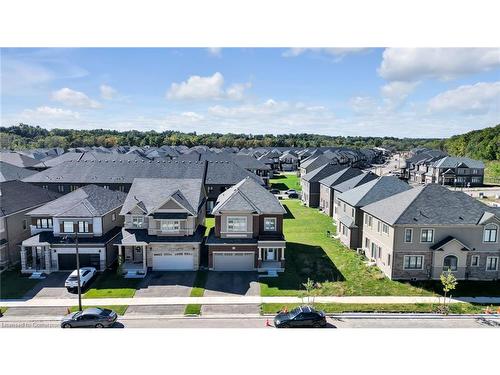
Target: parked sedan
x=274 y=191
x=86 y=274
x=291 y=191
x=301 y=317
x=293 y=195
x=94 y=317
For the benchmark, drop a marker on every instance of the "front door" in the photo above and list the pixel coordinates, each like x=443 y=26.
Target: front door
x=137 y=255
x=271 y=254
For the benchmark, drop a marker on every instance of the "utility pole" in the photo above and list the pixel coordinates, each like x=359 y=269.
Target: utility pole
x=78 y=273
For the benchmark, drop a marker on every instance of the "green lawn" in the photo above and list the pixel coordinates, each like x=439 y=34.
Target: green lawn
x=492 y=172
x=119 y=309
x=209 y=223
x=199 y=284
x=192 y=309
x=337 y=308
x=14 y=285
x=3 y=309
x=285 y=181
x=111 y=285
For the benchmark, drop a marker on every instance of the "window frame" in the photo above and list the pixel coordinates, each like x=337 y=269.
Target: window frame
x=170 y=225
x=451 y=256
x=490 y=228
x=134 y=217
x=72 y=226
x=275 y=224
x=236 y=230
x=409 y=263
x=427 y=229
x=475 y=257
x=410 y=230
x=83 y=224
x=488 y=260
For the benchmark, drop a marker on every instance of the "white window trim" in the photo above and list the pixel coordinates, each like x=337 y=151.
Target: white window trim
x=273 y=219
x=421 y=230
x=141 y=221
x=411 y=236
x=488 y=226
x=487 y=262
x=478 y=260
x=175 y=223
x=386 y=225
x=236 y=231
x=72 y=227
x=413 y=269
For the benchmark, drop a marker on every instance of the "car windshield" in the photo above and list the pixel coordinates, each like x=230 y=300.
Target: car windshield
x=72 y=278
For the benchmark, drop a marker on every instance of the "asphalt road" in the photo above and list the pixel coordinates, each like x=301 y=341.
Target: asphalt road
x=260 y=322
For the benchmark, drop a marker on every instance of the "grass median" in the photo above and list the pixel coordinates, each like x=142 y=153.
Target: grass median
x=111 y=285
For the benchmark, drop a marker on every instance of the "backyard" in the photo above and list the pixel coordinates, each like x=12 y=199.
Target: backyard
x=286 y=181
x=340 y=271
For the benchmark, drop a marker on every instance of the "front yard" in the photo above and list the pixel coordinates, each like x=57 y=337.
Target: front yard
x=286 y=181
x=14 y=285
x=340 y=271
x=110 y=285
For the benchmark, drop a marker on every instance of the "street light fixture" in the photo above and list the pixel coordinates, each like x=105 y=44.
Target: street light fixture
x=79 y=288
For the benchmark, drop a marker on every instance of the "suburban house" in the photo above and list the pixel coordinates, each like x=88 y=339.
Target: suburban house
x=326 y=187
x=16 y=199
x=348 y=185
x=310 y=183
x=349 y=204
x=10 y=172
x=289 y=161
x=313 y=162
x=420 y=233
x=88 y=215
x=248 y=233
x=163 y=227
x=455 y=171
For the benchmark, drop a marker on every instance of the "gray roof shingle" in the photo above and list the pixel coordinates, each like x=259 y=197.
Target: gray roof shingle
x=17 y=195
x=9 y=172
x=453 y=162
x=341 y=176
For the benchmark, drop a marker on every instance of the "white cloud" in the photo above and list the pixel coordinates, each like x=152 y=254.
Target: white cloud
x=363 y=104
x=211 y=87
x=337 y=53
x=396 y=92
x=74 y=98
x=268 y=107
x=479 y=98
x=215 y=51
x=49 y=112
x=413 y=64
x=107 y=92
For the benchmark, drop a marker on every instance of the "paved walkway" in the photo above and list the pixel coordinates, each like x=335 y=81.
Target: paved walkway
x=236 y=300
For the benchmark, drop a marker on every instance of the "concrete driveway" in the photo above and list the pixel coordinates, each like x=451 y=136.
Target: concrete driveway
x=221 y=284
x=52 y=287
x=166 y=284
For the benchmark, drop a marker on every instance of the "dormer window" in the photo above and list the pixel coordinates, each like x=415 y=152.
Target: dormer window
x=490 y=233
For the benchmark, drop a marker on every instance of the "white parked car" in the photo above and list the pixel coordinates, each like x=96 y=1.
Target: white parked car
x=86 y=274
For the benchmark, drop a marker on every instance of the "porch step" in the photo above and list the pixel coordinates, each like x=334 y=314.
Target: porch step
x=134 y=275
x=270 y=273
x=37 y=275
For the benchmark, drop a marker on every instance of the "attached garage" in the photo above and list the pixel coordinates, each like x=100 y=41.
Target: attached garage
x=234 y=261
x=67 y=262
x=173 y=261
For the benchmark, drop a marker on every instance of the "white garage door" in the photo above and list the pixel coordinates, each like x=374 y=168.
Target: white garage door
x=172 y=261
x=237 y=261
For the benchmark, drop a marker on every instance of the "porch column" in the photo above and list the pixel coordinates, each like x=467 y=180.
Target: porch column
x=282 y=253
x=120 y=252
x=144 y=259
x=47 y=259
x=33 y=257
x=23 y=258
x=260 y=253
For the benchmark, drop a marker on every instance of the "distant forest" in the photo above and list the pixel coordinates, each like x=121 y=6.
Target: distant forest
x=480 y=144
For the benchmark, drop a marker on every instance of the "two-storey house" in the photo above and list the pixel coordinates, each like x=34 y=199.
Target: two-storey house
x=348 y=213
x=248 y=232
x=88 y=215
x=421 y=233
x=327 y=184
x=454 y=171
x=163 y=225
x=310 y=183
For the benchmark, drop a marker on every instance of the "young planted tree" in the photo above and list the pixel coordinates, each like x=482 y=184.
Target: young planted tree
x=449 y=282
x=312 y=290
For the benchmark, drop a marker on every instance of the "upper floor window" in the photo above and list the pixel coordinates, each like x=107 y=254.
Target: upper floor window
x=490 y=233
x=60 y=188
x=170 y=225
x=385 y=228
x=427 y=235
x=137 y=221
x=352 y=213
x=25 y=224
x=83 y=226
x=492 y=264
x=270 y=224
x=113 y=216
x=44 y=223
x=408 y=235
x=236 y=224
x=68 y=227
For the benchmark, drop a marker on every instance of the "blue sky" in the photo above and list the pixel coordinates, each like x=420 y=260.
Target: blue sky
x=393 y=92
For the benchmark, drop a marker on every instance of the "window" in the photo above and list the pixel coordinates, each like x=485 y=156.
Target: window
x=490 y=233
x=413 y=262
x=474 y=261
x=385 y=228
x=113 y=216
x=170 y=225
x=352 y=213
x=367 y=243
x=378 y=226
x=344 y=207
x=210 y=189
x=44 y=223
x=137 y=221
x=106 y=187
x=25 y=224
x=68 y=227
x=370 y=221
x=83 y=226
x=60 y=188
x=450 y=263
x=427 y=235
x=492 y=264
x=46 y=187
x=476 y=180
x=388 y=259
x=73 y=187
x=270 y=224
x=344 y=230
x=408 y=235
x=236 y=224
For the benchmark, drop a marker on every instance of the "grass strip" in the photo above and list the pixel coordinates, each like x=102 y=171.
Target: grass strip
x=192 y=309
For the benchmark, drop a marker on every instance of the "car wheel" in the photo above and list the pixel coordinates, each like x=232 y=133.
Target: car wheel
x=66 y=325
x=99 y=325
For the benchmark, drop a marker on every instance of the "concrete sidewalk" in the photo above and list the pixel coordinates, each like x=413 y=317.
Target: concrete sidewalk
x=237 y=300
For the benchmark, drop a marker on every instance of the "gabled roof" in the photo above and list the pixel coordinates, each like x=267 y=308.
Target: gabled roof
x=227 y=173
x=341 y=176
x=355 y=181
x=373 y=191
x=248 y=196
x=446 y=240
x=431 y=204
x=87 y=201
x=322 y=172
x=16 y=196
x=9 y=172
x=314 y=162
x=151 y=193
x=454 y=162
x=17 y=159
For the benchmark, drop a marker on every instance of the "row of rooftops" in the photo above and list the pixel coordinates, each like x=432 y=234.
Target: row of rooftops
x=440 y=159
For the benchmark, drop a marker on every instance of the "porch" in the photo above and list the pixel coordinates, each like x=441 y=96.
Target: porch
x=134 y=260
x=271 y=259
x=35 y=256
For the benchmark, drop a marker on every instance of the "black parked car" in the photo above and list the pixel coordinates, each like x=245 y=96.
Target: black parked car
x=94 y=317
x=274 y=191
x=301 y=317
x=293 y=195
